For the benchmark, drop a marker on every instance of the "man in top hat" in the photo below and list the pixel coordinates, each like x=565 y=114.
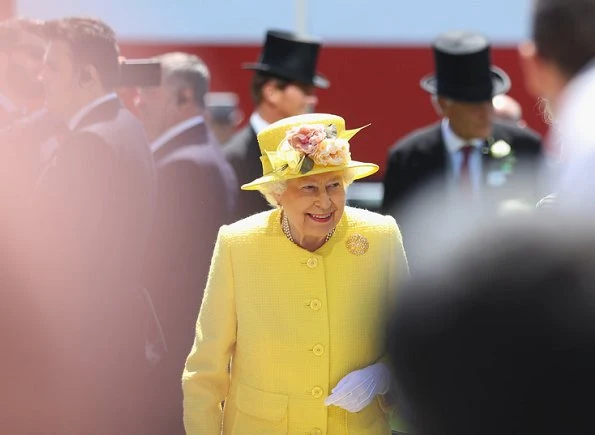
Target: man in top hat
x=466 y=161
x=467 y=153
x=283 y=85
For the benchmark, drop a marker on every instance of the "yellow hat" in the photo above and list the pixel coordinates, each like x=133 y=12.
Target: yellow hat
x=308 y=144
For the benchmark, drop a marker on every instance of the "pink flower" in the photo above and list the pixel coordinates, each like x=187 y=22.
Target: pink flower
x=305 y=138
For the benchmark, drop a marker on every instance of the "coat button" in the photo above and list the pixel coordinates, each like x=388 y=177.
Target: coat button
x=315 y=304
x=315 y=431
x=317 y=392
x=318 y=350
x=312 y=262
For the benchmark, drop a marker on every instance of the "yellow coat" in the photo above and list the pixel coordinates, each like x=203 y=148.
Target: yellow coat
x=293 y=323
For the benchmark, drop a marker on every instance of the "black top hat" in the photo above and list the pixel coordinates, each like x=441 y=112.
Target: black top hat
x=288 y=56
x=463 y=70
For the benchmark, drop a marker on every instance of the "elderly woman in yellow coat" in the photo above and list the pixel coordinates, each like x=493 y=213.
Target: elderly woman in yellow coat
x=290 y=334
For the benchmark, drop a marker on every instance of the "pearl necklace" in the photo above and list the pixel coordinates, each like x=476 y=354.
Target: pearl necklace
x=287 y=232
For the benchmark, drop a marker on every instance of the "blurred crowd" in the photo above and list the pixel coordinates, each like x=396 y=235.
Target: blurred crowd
x=111 y=208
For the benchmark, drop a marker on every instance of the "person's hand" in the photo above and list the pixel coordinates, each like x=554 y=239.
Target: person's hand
x=356 y=390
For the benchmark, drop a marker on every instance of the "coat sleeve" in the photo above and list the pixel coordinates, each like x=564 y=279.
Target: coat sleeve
x=205 y=380
x=398 y=270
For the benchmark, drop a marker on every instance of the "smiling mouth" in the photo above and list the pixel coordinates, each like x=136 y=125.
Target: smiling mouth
x=321 y=218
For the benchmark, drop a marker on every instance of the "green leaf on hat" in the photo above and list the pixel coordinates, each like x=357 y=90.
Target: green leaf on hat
x=331 y=131
x=307 y=165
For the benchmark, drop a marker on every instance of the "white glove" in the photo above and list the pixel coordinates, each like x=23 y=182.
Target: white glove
x=356 y=390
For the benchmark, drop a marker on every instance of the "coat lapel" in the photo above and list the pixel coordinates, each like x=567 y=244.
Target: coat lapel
x=195 y=135
x=436 y=154
x=104 y=112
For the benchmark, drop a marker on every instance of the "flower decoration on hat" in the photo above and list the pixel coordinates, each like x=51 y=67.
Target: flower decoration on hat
x=307 y=145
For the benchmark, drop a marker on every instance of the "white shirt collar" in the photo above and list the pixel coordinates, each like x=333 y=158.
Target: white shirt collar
x=7 y=104
x=258 y=123
x=453 y=142
x=85 y=110
x=177 y=129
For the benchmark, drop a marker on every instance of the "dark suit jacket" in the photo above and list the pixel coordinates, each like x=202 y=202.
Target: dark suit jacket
x=197 y=194
x=416 y=185
x=421 y=158
x=243 y=153
x=90 y=227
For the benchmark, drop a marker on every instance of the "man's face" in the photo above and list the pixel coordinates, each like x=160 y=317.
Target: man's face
x=60 y=79
x=157 y=107
x=24 y=63
x=468 y=120
x=295 y=99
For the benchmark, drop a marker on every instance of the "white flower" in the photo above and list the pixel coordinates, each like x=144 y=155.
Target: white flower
x=500 y=149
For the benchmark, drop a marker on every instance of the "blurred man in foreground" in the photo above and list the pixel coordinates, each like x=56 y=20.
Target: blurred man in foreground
x=498 y=337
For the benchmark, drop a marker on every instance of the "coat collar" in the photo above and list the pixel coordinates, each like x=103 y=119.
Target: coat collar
x=95 y=107
x=182 y=130
x=192 y=133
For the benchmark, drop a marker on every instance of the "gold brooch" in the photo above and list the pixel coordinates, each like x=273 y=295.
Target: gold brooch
x=357 y=244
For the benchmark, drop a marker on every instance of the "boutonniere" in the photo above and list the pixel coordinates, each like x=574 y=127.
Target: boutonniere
x=502 y=151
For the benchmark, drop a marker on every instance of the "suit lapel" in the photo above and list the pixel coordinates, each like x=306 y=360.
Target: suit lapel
x=436 y=154
x=253 y=146
x=253 y=156
x=195 y=135
x=104 y=112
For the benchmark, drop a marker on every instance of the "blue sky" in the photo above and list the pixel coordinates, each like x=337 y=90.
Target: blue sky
x=352 y=21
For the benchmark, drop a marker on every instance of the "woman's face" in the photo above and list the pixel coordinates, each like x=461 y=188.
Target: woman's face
x=314 y=204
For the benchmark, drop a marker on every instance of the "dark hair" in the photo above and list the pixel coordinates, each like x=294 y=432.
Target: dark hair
x=92 y=42
x=500 y=336
x=259 y=80
x=11 y=31
x=564 y=33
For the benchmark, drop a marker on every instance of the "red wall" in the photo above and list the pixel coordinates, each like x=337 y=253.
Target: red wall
x=377 y=85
